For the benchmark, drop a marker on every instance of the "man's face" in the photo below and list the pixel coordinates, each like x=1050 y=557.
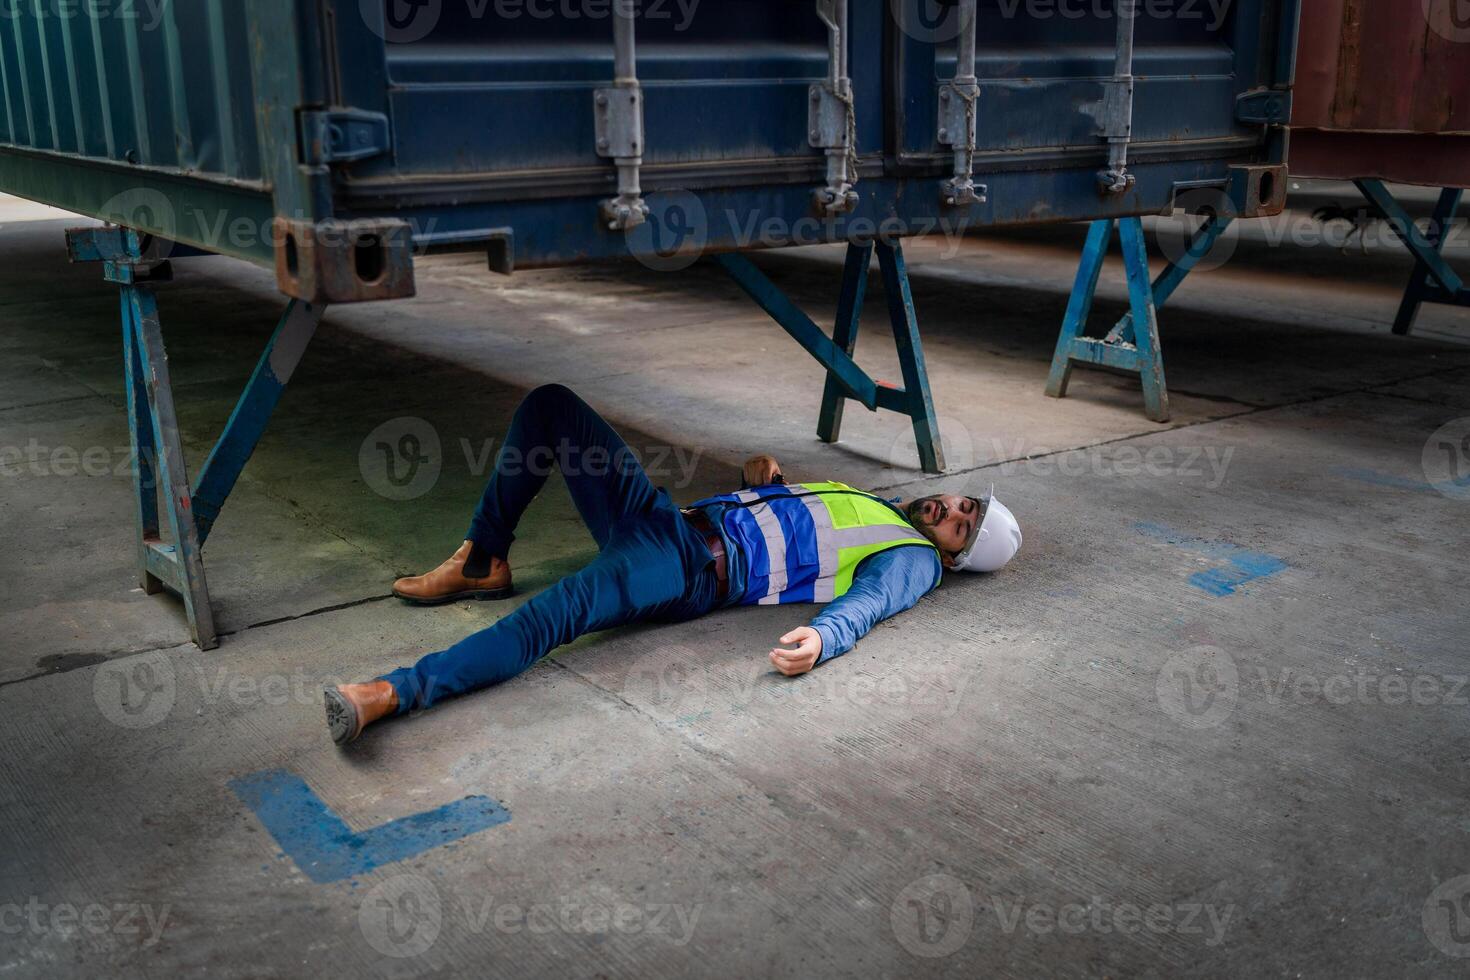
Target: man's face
x=947 y=520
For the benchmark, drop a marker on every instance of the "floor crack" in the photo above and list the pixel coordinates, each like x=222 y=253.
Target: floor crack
x=700 y=749
x=47 y=401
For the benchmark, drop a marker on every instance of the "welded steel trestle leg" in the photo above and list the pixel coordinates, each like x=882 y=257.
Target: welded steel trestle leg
x=1433 y=280
x=170 y=547
x=844 y=378
x=1126 y=347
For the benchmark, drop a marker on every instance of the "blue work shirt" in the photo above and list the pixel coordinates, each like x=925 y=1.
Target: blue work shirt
x=883 y=585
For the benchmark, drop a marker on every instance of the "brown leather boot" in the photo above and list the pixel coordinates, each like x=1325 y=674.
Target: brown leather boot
x=353 y=707
x=447 y=583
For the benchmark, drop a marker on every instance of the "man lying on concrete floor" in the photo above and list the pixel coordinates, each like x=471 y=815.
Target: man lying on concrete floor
x=773 y=543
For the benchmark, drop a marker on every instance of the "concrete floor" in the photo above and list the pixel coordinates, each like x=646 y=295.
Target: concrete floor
x=1212 y=721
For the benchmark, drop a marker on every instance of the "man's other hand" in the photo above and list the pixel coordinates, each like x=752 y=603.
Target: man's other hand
x=808 y=648
x=761 y=471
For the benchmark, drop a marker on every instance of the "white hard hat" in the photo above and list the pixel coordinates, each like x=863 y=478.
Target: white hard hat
x=996 y=541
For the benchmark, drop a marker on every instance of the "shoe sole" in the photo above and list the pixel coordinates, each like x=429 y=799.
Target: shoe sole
x=342 y=719
x=442 y=600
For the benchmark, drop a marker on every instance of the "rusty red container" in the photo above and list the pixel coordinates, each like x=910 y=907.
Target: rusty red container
x=1383 y=90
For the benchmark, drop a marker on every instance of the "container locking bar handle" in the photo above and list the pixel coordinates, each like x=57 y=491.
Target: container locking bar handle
x=619 y=123
x=832 y=116
x=1117 y=105
x=957 y=116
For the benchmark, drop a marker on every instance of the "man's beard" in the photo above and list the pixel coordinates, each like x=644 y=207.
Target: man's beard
x=916 y=513
x=915 y=517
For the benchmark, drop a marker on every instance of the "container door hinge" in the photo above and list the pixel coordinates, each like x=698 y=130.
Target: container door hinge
x=1268 y=106
x=342 y=135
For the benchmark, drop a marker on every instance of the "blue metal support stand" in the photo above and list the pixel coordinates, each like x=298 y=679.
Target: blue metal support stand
x=174 y=560
x=1126 y=347
x=1433 y=280
x=845 y=380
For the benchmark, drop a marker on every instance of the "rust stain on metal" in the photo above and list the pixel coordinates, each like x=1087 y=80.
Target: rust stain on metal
x=1380 y=66
x=1384 y=80
x=1349 y=65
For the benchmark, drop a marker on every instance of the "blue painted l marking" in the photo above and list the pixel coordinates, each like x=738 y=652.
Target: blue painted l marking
x=1244 y=566
x=1457 y=488
x=326 y=849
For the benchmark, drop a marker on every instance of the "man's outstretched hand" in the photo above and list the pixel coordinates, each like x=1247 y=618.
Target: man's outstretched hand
x=808 y=648
x=761 y=471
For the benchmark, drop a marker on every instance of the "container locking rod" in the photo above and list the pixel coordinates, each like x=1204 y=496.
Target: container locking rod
x=1117 y=106
x=619 y=123
x=958 y=101
x=832 y=115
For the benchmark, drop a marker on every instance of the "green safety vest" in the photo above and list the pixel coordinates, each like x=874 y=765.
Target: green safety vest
x=803 y=542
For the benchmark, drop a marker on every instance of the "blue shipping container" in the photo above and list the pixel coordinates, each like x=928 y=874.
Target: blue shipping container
x=487 y=123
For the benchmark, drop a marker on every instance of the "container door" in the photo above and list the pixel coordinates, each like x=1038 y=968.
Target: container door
x=503 y=91
x=1042 y=65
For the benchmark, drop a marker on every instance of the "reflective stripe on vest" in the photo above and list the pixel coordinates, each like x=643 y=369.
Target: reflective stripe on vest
x=804 y=542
